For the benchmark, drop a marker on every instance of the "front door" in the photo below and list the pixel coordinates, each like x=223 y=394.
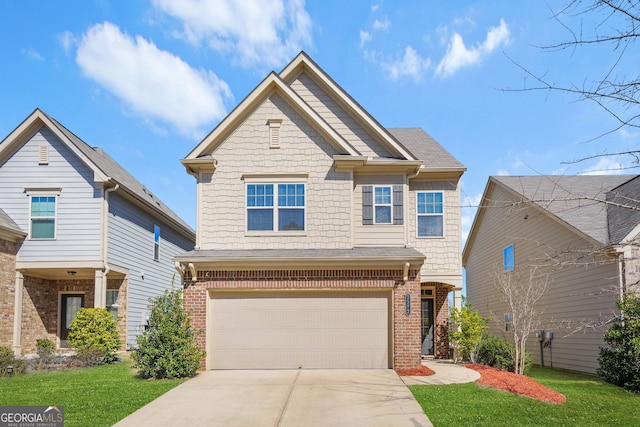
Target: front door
x=71 y=304
x=427 y=326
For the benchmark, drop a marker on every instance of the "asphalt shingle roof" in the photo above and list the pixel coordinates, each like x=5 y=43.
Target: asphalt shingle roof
x=120 y=175
x=311 y=254
x=424 y=147
x=577 y=200
x=7 y=223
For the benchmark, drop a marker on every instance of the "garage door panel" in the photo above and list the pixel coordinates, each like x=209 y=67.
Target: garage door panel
x=262 y=330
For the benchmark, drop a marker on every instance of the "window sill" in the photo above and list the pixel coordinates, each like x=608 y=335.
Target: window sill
x=274 y=233
x=430 y=237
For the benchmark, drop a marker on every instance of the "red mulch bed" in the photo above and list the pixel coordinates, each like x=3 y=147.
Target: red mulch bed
x=422 y=371
x=518 y=384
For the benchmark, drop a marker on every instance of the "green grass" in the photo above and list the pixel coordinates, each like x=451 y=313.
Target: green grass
x=590 y=402
x=98 y=396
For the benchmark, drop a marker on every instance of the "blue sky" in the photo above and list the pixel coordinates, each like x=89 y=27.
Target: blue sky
x=146 y=80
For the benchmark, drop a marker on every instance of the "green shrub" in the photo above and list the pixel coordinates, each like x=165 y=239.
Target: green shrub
x=466 y=328
x=168 y=349
x=7 y=359
x=620 y=362
x=94 y=329
x=499 y=353
x=44 y=348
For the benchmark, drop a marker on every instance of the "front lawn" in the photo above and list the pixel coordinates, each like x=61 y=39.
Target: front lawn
x=590 y=402
x=98 y=396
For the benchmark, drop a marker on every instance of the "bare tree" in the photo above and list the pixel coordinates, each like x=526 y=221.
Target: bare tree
x=521 y=289
x=614 y=24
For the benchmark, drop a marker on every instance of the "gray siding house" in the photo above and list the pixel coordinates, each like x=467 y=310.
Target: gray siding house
x=582 y=230
x=79 y=231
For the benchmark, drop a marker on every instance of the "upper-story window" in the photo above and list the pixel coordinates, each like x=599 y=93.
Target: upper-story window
x=430 y=212
x=382 y=204
x=156 y=242
x=276 y=207
x=509 y=258
x=43 y=217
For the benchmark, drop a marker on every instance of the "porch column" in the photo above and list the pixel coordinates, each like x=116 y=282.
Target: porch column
x=17 y=314
x=457 y=299
x=100 y=291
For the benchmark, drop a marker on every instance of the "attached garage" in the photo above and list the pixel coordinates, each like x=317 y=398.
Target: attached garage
x=298 y=329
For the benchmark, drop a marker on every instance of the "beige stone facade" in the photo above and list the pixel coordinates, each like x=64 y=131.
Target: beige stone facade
x=8 y=250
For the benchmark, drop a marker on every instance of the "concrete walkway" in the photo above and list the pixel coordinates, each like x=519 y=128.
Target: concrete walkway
x=285 y=398
x=446 y=372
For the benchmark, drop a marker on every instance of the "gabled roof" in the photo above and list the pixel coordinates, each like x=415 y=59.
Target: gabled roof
x=425 y=148
x=270 y=84
x=105 y=168
x=303 y=62
x=578 y=200
x=9 y=228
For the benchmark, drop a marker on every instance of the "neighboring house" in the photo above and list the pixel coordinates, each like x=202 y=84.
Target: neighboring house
x=76 y=230
x=580 y=230
x=323 y=240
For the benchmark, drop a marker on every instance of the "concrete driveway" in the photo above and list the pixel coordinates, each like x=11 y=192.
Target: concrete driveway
x=285 y=398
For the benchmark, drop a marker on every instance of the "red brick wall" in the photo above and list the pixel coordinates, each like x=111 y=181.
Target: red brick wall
x=8 y=252
x=40 y=307
x=406 y=329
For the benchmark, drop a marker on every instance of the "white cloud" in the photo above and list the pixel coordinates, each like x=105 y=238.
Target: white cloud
x=375 y=7
x=258 y=33
x=459 y=56
x=605 y=166
x=33 y=54
x=365 y=37
x=381 y=25
x=502 y=172
x=154 y=83
x=67 y=41
x=410 y=65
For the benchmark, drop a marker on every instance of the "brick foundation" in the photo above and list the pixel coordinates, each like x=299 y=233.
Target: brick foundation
x=406 y=329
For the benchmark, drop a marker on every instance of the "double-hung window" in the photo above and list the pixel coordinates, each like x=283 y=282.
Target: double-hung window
x=382 y=204
x=430 y=212
x=43 y=217
x=275 y=207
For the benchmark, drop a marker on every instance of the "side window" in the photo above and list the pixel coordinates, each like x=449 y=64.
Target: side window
x=112 y=303
x=156 y=242
x=382 y=204
x=430 y=214
x=43 y=217
x=508 y=258
x=508 y=322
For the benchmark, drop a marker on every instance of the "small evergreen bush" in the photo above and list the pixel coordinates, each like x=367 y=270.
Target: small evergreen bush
x=8 y=359
x=620 y=362
x=44 y=348
x=499 y=353
x=466 y=328
x=94 y=330
x=168 y=349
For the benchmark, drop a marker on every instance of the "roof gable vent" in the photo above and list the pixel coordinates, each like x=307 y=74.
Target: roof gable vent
x=274 y=132
x=43 y=155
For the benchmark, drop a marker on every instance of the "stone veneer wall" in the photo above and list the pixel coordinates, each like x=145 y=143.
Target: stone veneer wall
x=8 y=251
x=122 y=286
x=406 y=329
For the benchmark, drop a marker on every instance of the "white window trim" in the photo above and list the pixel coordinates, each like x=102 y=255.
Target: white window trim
x=259 y=179
x=43 y=192
x=418 y=236
x=156 y=244
x=389 y=205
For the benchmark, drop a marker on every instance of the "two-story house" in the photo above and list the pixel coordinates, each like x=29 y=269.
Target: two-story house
x=324 y=240
x=581 y=232
x=77 y=230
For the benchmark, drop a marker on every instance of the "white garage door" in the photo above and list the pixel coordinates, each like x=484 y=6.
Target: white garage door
x=289 y=330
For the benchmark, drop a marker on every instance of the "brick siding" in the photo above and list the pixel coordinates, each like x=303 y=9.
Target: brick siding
x=406 y=329
x=8 y=251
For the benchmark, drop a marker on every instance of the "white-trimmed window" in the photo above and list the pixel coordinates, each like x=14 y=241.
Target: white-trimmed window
x=112 y=303
x=430 y=213
x=275 y=207
x=156 y=242
x=508 y=322
x=43 y=217
x=382 y=204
